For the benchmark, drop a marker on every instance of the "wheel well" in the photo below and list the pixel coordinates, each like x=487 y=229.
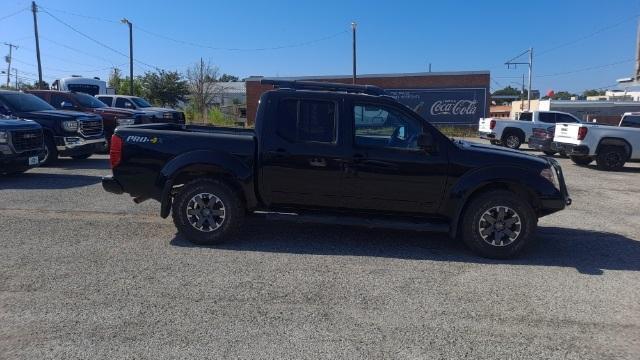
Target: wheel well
x=516 y=131
x=521 y=191
x=188 y=175
x=615 y=142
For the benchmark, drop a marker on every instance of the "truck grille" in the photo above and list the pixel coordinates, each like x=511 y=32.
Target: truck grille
x=25 y=140
x=91 y=127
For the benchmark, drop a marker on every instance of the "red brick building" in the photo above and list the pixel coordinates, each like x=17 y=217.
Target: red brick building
x=427 y=80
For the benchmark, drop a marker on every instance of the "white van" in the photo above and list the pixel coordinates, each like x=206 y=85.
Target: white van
x=92 y=86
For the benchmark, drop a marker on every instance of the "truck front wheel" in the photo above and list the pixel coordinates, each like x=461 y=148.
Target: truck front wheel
x=512 y=140
x=611 y=158
x=498 y=224
x=581 y=160
x=207 y=211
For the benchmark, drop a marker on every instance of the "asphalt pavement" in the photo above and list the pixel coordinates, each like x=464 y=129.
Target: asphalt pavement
x=88 y=274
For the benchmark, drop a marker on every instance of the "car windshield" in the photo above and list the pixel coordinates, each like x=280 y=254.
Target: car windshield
x=25 y=102
x=89 y=101
x=141 y=102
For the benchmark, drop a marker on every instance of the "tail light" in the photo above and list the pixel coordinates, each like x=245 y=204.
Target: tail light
x=115 y=152
x=582 y=132
x=492 y=124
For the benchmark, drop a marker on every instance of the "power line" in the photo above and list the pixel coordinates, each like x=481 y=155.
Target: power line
x=14 y=14
x=76 y=50
x=594 y=33
x=587 y=68
x=205 y=46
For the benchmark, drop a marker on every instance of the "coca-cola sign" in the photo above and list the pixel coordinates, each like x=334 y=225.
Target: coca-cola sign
x=450 y=106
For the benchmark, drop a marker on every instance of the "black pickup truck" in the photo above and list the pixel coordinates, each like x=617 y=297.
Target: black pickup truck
x=66 y=133
x=21 y=145
x=338 y=154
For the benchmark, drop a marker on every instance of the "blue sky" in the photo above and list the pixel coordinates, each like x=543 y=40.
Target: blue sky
x=393 y=36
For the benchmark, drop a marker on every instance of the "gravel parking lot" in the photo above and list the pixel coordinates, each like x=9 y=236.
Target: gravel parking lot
x=88 y=274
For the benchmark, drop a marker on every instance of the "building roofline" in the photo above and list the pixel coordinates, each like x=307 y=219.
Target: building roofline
x=322 y=77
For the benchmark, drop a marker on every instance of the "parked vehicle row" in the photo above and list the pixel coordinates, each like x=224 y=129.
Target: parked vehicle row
x=514 y=132
x=72 y=124
x=335 y=153
x=610 y=146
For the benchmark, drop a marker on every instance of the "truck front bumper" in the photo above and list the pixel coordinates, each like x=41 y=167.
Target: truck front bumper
x=75 y=145
x=571 y=149
x=111 y=185
x=14 y=162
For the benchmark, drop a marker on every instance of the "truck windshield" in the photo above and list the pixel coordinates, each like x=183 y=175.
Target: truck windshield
x=89 y=101
x=141 y=102
x=25 y=102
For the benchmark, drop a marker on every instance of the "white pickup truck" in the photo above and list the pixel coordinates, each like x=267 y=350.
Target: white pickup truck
x=610 y=146
x=512 y=133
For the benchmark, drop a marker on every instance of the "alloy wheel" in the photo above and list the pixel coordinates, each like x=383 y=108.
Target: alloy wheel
x=205 y=212
x=500 y=226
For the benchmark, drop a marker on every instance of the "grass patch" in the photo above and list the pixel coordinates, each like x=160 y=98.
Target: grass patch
x=459 y=131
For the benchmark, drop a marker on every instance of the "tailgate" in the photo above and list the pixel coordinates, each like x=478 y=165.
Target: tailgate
x=484 y=125
x=567 y=133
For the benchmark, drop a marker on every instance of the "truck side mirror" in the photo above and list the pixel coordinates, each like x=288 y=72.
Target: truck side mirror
x=426 y=142
x=67 y=105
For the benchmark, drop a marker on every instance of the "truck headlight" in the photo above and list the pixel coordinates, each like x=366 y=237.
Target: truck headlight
x=70 y=125
x=4 y=137
x=550 y=175
x=167 y=115
x=126 y=121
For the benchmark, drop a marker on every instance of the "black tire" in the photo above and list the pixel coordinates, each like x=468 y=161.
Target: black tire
x=50 y=151
x=519 y=219
x=512 y=140
x=549 y=153
x=232 y=207
x=81 y=157
x=611 y=158
x=581 y=160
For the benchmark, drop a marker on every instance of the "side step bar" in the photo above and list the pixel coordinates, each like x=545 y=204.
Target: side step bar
x=372 y=223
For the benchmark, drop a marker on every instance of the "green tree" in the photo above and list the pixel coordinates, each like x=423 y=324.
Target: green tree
x=123 y=87
x=508 y=91
x=563 y=95
x=593 y=92
x=115 y=79
x=227 y=78
x=165 y=88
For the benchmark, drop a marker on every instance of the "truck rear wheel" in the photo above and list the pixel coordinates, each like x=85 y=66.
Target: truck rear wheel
x=581 y=160
x=512 y=140
x=611 y=158
x=207 y=211
x=498 y=224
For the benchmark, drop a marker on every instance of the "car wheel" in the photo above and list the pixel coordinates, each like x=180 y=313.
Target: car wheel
x=81 y=157
x=512 y=141
x=581 y=160
x=207 y=211
x=50 y=151
x=611 y=158
x=549 y=153
x=498 y=224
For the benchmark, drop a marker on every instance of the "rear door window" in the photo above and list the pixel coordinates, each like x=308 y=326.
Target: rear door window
x=124 y=103
x=546 y=117
x=307 y=121
x=106 y=99
x=525 y=116
x=564 y=118
x=631 y=121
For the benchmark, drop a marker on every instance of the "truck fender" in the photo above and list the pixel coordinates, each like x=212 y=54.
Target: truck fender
x=616 y=142
x=207 y=161
x=513 y=178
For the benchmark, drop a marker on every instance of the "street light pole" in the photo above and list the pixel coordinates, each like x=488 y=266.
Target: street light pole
x=125 y=21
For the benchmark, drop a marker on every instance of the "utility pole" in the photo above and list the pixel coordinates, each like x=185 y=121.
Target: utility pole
x=8 y=59
x=353 y=30
x=637 y=75
x=125 y=21
x=34 y=10
x=16 y=71
x=530 y=64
